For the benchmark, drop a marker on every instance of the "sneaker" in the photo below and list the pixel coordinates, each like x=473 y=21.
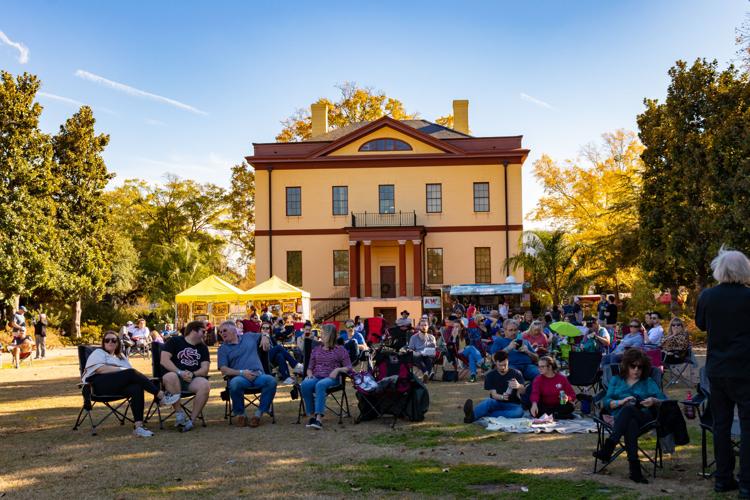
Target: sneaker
x=473 y=378
x=288 y=381
x=468 y=411
x=169 y=399
x=314 y=423
x=299 y=369
x=188 y=426
x=142 y=432
x=180 y=418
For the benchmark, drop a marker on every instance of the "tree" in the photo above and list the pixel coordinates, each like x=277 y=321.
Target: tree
x=355 y=105
x=241 y=224
x=81 y=220
x=556 y=266
x=595 y=201
x=742 y=39
x=27 y=209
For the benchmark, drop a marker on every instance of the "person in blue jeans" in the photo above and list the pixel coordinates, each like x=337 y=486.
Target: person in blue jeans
x=279 y=356
x=506 y=386
x=238 y=358
x=520 y=352
x=474 y=359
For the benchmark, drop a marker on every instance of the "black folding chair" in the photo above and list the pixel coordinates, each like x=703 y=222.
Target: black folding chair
x=679 y=369
x=340 y=408
x=701 y=403
x=90 y=398
x=186 y=397
x=252 y=395
x=584 y=370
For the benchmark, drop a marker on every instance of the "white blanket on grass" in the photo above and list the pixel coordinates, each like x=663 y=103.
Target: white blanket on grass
x=578 y=425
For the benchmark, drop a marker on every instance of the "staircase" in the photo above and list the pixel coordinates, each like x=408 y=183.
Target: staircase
x=336 y=304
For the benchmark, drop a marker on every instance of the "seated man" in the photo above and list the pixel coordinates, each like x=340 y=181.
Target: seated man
x=238 y=358
x=186 y=361
x=520 y=353
x=279 y=356
x=21 y=344
x=423 y=345
x=506 y=388
x=596 y=337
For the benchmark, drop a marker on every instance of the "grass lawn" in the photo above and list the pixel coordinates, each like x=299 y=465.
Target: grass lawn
x=442 y=457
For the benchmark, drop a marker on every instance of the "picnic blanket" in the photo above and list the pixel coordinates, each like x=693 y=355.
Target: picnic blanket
x=577 y=425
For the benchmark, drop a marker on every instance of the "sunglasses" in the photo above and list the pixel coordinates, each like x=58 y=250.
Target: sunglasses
x=636 y=367
x=635 y=326
x=224 y=330
x=110 y=340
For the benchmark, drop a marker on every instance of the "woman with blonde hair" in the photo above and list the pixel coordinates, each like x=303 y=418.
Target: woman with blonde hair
x=676 y=342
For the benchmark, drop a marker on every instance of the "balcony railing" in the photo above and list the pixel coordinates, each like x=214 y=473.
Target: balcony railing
x=374 y=219
x=386 y=290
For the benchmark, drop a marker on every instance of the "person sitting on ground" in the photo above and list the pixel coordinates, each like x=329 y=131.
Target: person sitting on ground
x=551 y=393
x=676 y=342
x=633 y=339
x=506 y=386
x=21 y=344
x=280 y=357
x=631 y=399
x=109 y=372
x=327 y=362
x=186 y=361
x=596 y=337
x=424 y=346
x=520 y=353
x=536 y=337
x=238 y=358
x=656 y=332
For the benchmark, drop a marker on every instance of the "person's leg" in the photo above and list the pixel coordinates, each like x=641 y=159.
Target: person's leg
x=43 y=343
x=507 y=410
x=172 y=384
x=486 y=407
x=307 y=388
x=135 y=391
x=276 y=355
x=529 y=372
x=320 y=394
x=267 y=384
x=722 y=409
x=429 y=362
x=352 y=349
x=200 y=387
x=622 y=421
x=474 y=358
x=741 y=396
x=237 y=386
x=38 y=341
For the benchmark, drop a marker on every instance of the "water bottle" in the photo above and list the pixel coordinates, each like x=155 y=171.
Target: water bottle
x=562 y=398
x=689 y=409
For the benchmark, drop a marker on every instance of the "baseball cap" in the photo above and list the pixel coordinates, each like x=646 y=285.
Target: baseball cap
x=23 y=308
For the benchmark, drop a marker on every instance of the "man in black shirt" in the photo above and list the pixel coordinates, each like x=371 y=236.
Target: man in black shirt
x=610 y=314
x=506 y=387
x=724 y=312
x=185 y=361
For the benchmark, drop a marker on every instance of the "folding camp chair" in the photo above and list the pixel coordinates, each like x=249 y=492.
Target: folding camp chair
x=186 y=397
x=252 y=394
x=679 y=370
x=340 y=406
x=113 y=402
x=701 y=403
x=584 y=370
x=392 y=400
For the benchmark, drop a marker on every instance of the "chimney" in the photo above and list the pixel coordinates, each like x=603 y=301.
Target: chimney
x=461 y=115
x=319 y=119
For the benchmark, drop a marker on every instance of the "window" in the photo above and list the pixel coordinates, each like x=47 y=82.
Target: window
x=340 y=200
x=293 y=201
x=481 y=196
x=340 y=267
x=434 y=198
x=482 y=269
x=434 y=266
x=294 y=267
x=385 y=145
x=387 y=197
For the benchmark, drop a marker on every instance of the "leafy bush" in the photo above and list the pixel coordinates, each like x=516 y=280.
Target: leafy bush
x=91 y=334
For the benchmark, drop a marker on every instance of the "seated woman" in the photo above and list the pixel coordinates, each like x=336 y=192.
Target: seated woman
x=327 y=362
x=551 y=393
x=424 y=346
x=506 y=388
x=536 y=337
x=109 y=372
x=676 y=342
x=634 y=338
x=631 y=399
x=21 y=344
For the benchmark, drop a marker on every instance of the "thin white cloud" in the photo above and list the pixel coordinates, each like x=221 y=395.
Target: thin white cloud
x=23 y=50
x=156 y=123
x=121 y=87
x=60 y=98
x=534 y=100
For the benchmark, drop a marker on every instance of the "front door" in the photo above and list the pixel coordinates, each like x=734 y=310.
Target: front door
x=389 y=314
x=388 y=282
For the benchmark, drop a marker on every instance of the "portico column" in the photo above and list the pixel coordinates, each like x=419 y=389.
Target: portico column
x=353 y=269
x=402 y=268
x=417 y=267
x=367 y=270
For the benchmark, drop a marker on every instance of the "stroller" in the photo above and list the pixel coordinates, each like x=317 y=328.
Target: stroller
x=391 y=390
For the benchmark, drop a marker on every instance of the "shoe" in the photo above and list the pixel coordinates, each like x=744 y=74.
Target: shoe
x=188 y=426
x=169 y=399
x=605 y=453
x=723 y=487
x=469 y=411
x=142 y=432
x=180 y=418
x=636 y=474
x=425 y=377
x=254 y=421
x=241 y=420
x=288 y=381
x=432 y=375
x=314 y=423
x=473 y=378
x=299 y=369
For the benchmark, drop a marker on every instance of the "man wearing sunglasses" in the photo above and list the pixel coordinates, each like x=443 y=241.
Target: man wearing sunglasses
x=238 y=358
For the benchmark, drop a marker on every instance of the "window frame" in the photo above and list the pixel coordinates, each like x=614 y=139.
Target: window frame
x=477 y=268
x=345 y=201
x=384 y=141
x=345 y=270
x=380 y=200
x=479 y=199
x=439 y=198
x=287 y=191
x=427 y=258
x=289 y=279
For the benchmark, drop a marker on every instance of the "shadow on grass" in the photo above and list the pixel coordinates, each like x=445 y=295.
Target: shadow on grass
x=431 y=478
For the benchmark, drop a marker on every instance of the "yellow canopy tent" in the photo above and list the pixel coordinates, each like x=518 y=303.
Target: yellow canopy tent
x=212 y=299
x=211 y=289
x=277 y=290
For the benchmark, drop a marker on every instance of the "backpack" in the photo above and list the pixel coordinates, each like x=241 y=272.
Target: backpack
x=418 y=403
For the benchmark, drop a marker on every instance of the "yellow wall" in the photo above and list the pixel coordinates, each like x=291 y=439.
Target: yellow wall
x=365 y=308
x=418 y=147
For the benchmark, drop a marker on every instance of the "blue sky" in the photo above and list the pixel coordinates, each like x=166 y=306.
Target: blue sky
x=195 y=83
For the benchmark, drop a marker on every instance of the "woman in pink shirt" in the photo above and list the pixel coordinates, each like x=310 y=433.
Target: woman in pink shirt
x=551 y=393
x=536 y=337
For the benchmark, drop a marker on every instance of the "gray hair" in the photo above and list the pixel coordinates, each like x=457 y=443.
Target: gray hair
x=509 y=322
x=731 y=266
x=229 y=325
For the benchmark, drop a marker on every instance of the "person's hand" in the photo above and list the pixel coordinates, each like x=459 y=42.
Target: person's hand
x=511 y=346
x=523 y=348
x=187 y=375
x=627 y=400
x=534 y=410
x=513 y=384
x=564 y=399
x=265 y=343
x=309 y=377
x=648 y=402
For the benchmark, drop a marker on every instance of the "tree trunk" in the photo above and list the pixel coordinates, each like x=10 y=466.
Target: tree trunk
x=76 y=307
x=674 y=307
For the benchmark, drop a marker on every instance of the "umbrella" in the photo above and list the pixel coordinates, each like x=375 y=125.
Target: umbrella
x=565 y=329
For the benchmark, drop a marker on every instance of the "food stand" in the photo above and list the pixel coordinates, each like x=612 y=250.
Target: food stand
x=487 y=297
x=213 y=299
x=280 y=297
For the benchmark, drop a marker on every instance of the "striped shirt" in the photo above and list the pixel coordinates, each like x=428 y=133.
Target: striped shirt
x=323 y=362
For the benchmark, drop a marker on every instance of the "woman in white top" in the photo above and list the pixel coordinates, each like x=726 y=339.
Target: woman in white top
x=109 y=372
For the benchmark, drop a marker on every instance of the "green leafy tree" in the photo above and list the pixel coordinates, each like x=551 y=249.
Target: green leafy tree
x=241 y=224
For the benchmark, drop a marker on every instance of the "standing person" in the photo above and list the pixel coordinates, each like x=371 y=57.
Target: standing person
x=502 y=309
x=19 y=320
x=611 y=315
x=186 y=360
x=601 y=308
x=724 y=312
x=40 y=336
x=577 y=309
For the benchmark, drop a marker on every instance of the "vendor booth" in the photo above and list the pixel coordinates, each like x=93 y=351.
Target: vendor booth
x=487 y=297
x=213 y=300
x=279 y=297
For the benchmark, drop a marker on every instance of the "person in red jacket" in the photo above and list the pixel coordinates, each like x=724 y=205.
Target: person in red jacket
x=551 y=393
